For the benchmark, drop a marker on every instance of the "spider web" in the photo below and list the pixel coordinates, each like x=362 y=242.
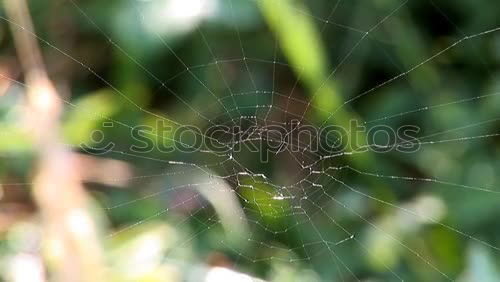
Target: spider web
x=270 y=205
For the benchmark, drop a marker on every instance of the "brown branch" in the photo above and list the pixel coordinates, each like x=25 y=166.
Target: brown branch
x=70 y=235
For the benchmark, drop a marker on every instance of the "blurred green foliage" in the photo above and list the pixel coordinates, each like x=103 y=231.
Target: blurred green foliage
x=139 y=50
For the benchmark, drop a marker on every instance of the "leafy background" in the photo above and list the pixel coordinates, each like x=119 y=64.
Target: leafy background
x=309 y=49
